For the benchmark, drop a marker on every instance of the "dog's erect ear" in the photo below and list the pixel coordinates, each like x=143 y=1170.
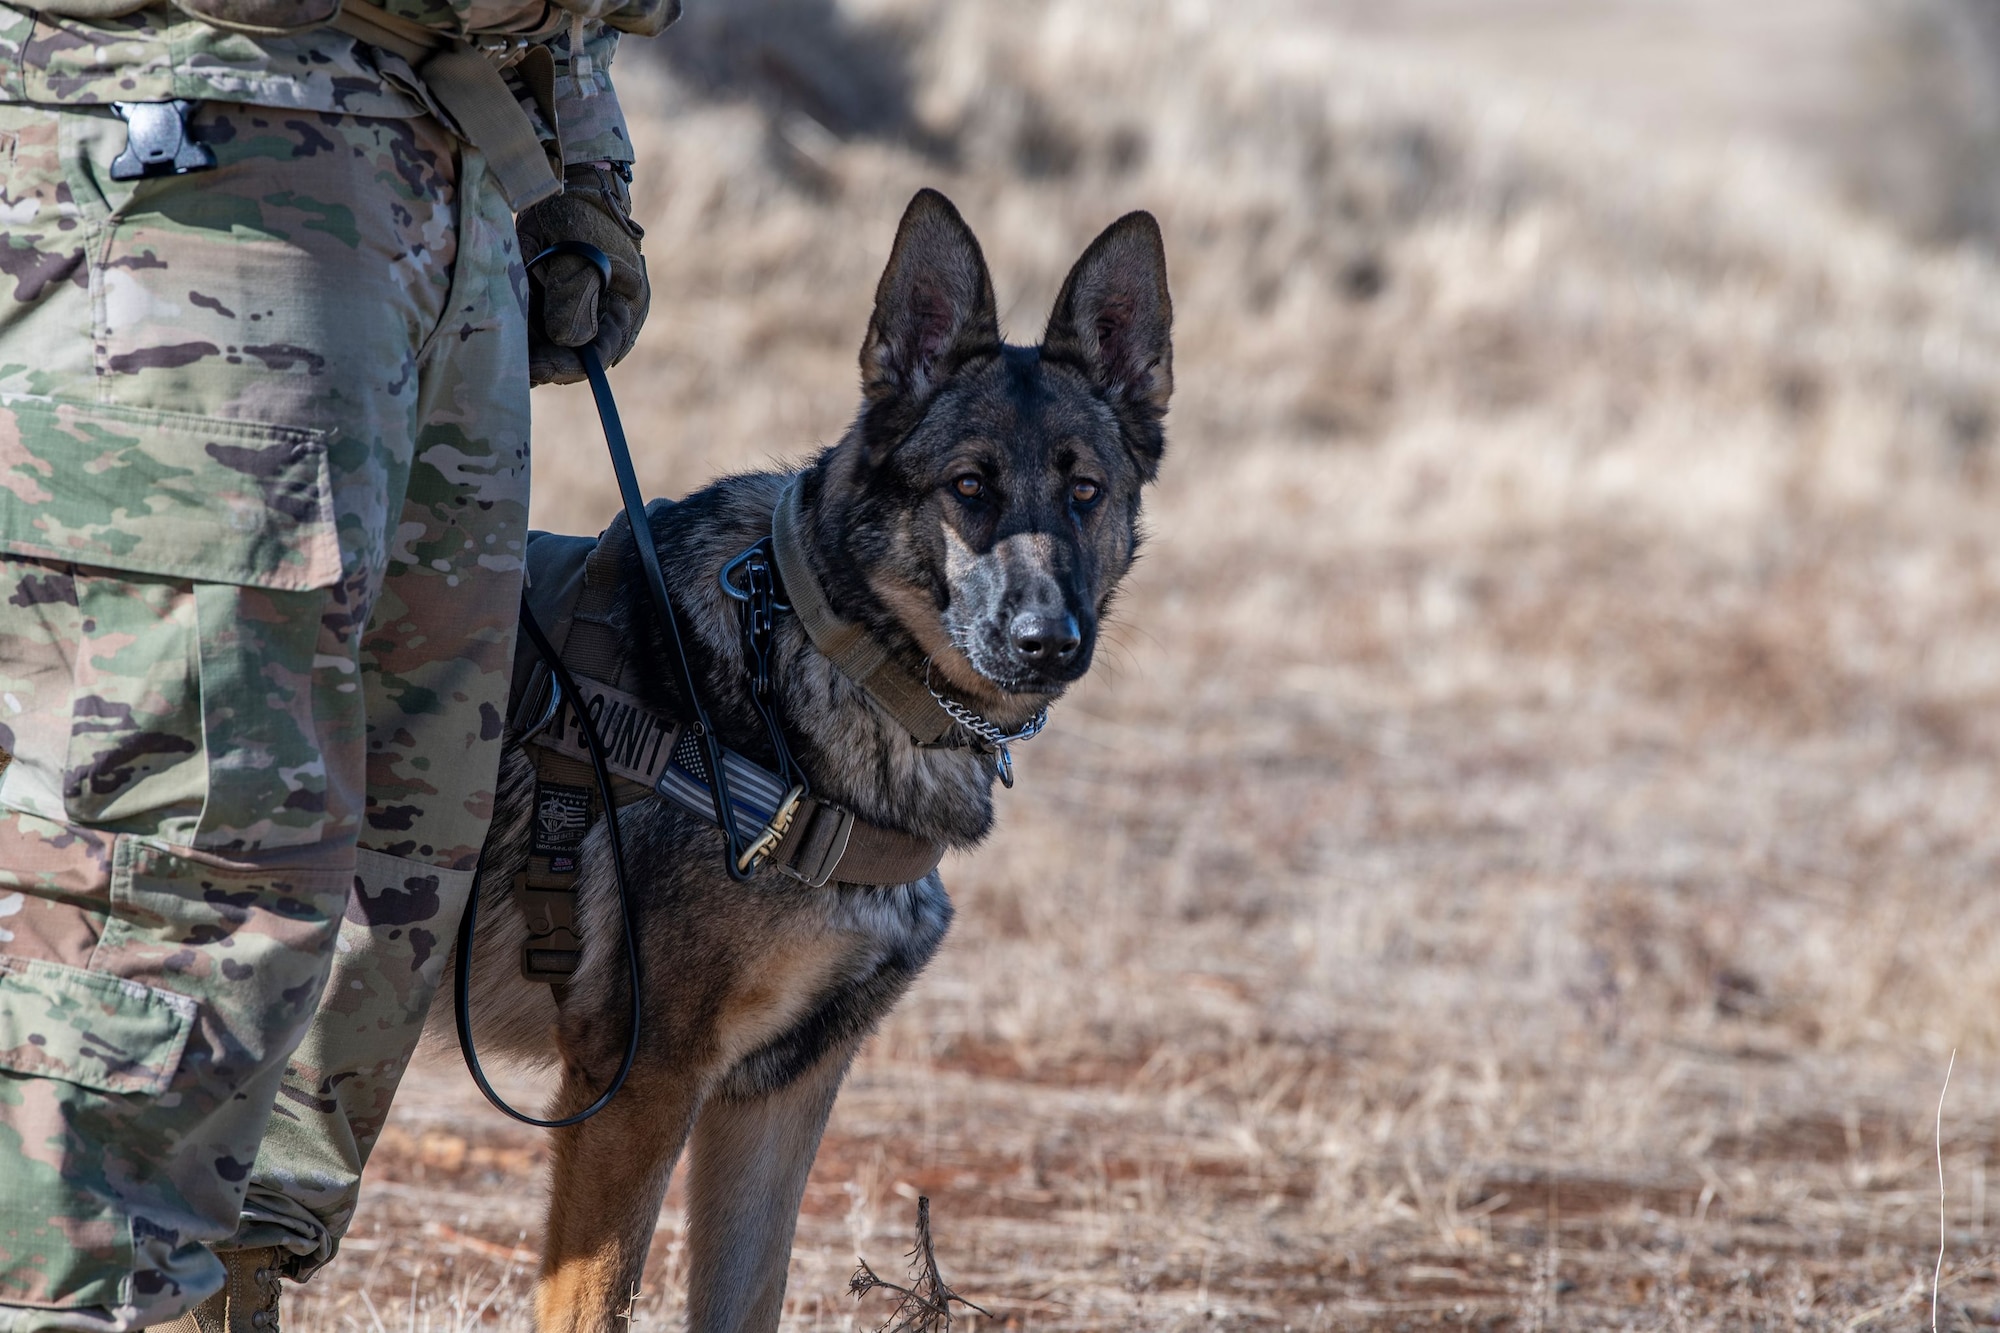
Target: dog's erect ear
x=1114 y=315
x=934 y=303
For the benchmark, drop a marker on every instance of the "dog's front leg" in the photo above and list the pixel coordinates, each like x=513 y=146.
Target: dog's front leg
x=608 y=1177
x=746 y=1176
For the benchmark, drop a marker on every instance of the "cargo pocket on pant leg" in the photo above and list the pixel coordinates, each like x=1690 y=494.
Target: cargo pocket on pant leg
x=195 y=540
x=133 y=1092
x=207 y=499
x=85 y=1040
x=96 y=1031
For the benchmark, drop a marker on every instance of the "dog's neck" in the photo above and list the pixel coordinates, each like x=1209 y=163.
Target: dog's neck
x=859 y=655
x=851 y=749
x=886 y=636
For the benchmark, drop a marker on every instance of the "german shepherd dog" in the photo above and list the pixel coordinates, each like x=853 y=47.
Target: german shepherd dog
x=976 y=518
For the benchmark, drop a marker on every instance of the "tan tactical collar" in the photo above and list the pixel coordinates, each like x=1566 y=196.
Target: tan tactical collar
x=849 y=646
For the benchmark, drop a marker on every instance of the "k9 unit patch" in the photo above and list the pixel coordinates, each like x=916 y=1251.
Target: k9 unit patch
x=562 y=817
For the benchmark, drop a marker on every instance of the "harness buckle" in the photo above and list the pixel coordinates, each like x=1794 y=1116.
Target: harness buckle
x=822 y=846
x=774 y=832
x=553 y=948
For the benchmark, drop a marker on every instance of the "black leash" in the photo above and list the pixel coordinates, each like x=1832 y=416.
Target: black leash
x=649 y=564
x=573 y=696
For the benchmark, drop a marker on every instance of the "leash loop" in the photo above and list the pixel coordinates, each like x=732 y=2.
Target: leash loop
x=468 y=925
x=567 y=690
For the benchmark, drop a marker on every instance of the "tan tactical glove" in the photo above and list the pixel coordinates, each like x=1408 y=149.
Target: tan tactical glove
x=568 y=305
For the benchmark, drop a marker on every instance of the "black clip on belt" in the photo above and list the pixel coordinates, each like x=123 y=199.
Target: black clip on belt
x=158 y=141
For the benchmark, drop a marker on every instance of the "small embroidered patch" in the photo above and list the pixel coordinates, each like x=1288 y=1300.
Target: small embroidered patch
x=562 y=817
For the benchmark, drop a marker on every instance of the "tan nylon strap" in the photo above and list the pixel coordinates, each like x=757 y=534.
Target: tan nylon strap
x=543 y=891
x=596 y=647
x=556 y=765
x=469 y=87
x=849 y=646
x=827 y=843
x=392 y=32
x=883 y=856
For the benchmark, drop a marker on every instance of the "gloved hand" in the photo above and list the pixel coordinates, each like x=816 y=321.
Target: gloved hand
x=568 y=305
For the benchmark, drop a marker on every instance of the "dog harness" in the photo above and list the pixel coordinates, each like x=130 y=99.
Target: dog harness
x=572 y=590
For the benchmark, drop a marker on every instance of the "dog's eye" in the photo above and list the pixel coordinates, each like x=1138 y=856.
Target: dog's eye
x=1084 y=492
x=969 y=486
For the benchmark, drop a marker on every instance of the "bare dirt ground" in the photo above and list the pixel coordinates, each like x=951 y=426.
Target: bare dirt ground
x=1529 y=850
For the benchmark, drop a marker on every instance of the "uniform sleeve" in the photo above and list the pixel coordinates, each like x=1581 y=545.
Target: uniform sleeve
x=593 y=126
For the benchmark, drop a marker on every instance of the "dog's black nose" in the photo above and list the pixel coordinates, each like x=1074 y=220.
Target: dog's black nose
x=1045 y=640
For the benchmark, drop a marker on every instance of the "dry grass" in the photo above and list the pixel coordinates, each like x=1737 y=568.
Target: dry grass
x=1531 y=843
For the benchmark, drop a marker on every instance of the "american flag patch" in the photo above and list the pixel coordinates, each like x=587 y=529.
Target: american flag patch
x=755 y=793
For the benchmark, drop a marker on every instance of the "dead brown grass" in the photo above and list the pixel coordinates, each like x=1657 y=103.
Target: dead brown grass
x=1531 y=842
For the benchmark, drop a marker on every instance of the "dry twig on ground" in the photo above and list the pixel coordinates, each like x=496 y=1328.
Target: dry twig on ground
x=926 y=1303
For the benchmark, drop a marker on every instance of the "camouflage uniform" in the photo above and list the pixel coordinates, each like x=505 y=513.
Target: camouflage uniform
x=263 y=489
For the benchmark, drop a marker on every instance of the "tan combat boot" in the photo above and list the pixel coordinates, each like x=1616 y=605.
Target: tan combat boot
x=248 y=1301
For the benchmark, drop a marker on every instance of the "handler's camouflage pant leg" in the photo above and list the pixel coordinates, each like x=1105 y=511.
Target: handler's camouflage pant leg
x=433 y=721
x=237 y=410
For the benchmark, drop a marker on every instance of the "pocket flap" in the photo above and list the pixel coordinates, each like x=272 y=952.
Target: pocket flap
x=90 y=1028
x=202 y=498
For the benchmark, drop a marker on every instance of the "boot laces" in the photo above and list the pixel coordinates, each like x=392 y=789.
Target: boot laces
x=265 y=1316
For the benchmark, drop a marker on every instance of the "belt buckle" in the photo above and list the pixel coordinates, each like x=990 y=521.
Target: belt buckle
x=504 y=49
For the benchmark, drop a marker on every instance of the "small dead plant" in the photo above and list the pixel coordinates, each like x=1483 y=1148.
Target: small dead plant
x=925 y=1305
